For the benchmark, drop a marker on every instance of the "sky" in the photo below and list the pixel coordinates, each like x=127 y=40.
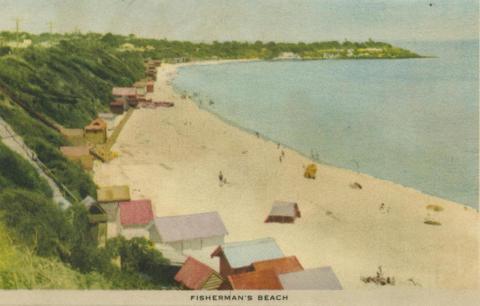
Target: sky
x=251 y=20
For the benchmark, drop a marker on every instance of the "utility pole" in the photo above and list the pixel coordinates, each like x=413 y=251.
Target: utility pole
x=50 y=27
x=17 y=30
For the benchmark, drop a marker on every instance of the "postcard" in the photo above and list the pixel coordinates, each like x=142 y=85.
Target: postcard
x=239 y=152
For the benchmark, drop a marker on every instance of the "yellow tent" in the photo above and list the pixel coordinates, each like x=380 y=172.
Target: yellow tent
x=310 y=171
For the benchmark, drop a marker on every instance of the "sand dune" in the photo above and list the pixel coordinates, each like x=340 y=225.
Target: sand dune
x=173 y=157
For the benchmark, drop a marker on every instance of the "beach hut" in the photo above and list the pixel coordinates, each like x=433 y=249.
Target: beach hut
x=128 y=93
x=238 y=257
x=193 y=231
x=195 y=275
x=79 y=154
x=310 y=171
x=118 y=106
x=283 y=212
x=279 y=265
x=96 y=213
x=109 y=118
x=108 y=198
x=311 y=279
x=256 y=280
x=140 y=84
x=150 y=86
x=96 y=132
x=265 y=274
x=74 y=136
x=135 y=217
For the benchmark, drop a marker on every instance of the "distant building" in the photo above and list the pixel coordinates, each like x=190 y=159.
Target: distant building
x=288 y=56
x=134 y=218
x=96 y=132
x=195 y=275
x=283 y=212
x=80 y=154
x=311 y=279
x=238 y=257
x=189 y=231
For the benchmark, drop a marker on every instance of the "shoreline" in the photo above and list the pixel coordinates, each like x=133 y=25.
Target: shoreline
x=172 y=156
x=180 y=92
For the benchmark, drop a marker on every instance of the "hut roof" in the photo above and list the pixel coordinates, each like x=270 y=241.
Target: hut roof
x=285 y=209
x=187 y=227
x=113 y=194
x=72 y=132
x=257 y=280
x=311 y=279
x=124 y=91
x=193 y=274
x=279 y=265
x=138 y=212
x=118 y=102
x=97 y=124
x=78 y=151
x=244 y=253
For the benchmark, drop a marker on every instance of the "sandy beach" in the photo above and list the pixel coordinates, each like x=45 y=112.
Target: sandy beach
x=173 y=157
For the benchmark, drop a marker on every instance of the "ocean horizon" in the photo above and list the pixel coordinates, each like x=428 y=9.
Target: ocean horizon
x=409 y=121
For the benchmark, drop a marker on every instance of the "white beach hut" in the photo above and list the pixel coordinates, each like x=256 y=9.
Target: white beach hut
x=189 y=231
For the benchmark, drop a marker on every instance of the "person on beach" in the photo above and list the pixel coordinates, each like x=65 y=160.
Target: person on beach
x=220 y=178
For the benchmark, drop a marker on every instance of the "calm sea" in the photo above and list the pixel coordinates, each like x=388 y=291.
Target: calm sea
x=410 y=121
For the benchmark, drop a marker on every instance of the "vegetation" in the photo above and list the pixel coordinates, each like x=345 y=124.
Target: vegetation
x=20 y=268
x=35 y=223
x=15 y=172
x=65 y=80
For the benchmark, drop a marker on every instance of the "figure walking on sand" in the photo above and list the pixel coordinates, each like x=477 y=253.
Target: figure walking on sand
x=221 y=179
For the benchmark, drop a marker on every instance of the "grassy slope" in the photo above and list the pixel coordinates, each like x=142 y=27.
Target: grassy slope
x=21 y=269
x=45 y=142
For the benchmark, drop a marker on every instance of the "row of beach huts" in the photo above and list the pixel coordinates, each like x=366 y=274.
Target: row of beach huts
x=243 y=265
x=94 y=141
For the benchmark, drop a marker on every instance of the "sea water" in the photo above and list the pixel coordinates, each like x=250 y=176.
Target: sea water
x=410 y=121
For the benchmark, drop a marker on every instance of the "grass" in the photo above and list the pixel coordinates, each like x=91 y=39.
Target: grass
x=21 y=269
